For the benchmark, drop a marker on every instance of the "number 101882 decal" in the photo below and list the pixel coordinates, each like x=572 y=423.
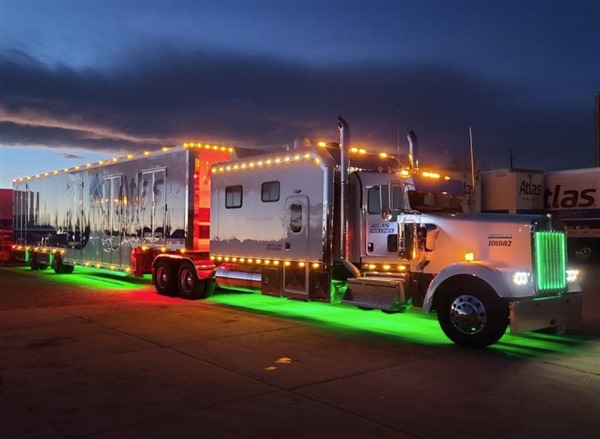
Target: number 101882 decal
x=499 y=243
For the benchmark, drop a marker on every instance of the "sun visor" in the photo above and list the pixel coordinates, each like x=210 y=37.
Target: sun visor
x=433 y=185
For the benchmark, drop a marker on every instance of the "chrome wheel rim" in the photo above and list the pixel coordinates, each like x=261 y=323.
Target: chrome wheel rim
x=468 y=314
x=162 y=279
x=186 y=280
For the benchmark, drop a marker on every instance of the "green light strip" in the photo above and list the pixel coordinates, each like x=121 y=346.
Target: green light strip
x=550 y=261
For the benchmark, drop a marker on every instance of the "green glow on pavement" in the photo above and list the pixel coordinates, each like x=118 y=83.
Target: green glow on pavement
x=93 y=278
x=411 y=326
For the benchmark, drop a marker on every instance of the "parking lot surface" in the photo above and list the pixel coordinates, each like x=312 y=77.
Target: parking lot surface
x=96 y=356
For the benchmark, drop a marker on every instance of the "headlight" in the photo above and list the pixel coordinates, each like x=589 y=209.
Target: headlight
x=572 y=275
x=521 y=278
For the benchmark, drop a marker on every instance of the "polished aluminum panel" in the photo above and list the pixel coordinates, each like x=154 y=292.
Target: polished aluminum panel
x=99 y=213
x=294 y=226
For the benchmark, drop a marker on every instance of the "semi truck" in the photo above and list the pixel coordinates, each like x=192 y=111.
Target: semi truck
x=324 y=222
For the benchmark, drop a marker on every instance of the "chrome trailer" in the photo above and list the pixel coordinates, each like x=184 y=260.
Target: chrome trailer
x=116 y=214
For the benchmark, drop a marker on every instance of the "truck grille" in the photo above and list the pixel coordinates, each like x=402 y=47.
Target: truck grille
x=550 y=253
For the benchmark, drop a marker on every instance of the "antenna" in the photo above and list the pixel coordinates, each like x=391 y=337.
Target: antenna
x=398 y=130
x=472 y=194
x=472 y=161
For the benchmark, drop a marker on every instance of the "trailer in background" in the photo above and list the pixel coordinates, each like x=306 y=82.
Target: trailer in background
x=572 y=196
x=512 y=191
x=568 y=195
x=6 y=206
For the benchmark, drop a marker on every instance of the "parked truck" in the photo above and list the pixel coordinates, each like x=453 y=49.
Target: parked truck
x=326 y=223
x=572 y=195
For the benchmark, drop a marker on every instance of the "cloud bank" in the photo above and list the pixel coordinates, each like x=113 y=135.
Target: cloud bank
x=160 y=95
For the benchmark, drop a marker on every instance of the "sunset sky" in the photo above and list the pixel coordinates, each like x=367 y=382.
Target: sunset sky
x=86 y=80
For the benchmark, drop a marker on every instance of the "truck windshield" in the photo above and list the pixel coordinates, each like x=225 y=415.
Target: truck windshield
x=434 y=202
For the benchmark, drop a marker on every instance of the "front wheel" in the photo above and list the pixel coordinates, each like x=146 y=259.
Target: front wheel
x=188 y=284
x=472 y=315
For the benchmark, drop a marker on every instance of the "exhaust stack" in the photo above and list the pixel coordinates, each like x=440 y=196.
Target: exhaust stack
x=413 y=149
x=344 y=205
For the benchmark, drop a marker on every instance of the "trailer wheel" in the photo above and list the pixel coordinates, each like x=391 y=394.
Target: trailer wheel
x=188 y=284
x=164 y=279
x=472 y=315
x=60 y=268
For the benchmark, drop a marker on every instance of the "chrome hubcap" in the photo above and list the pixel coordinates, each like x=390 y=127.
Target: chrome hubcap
x=161 y=277
x=186 y=280
x=467 y=314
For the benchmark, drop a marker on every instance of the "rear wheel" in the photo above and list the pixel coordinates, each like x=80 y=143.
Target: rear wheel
x=33 y=261
x=472 y=315
x=60 y=268
x=188 y=284
x=164 y=279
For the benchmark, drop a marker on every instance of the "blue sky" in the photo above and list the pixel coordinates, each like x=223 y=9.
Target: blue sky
x=87 y=80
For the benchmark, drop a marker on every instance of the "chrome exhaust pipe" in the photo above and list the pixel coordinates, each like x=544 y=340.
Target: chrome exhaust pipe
x=344 y=204
x=413 y=149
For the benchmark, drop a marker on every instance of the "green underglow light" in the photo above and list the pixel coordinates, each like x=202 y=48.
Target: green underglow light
x=94 y=279
x=550 y=261
x=411 y=326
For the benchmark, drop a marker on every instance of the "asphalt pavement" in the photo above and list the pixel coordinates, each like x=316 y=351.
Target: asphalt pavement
x=89 y=356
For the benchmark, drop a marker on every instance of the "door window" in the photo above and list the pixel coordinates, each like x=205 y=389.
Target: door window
x=296 y=217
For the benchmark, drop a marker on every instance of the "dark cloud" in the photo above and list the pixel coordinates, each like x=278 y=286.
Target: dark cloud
x=164 y=96
x=69 y=156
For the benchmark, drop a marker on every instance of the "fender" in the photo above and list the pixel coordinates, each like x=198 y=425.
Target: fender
x=205 y=268
x=494 y=275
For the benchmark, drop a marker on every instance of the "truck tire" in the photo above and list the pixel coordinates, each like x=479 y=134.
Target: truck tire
x=164 y=279
x=60 y=268
x=188 y=284
x=472 y=315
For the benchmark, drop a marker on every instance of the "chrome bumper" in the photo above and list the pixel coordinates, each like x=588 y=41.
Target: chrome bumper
x=548 y=312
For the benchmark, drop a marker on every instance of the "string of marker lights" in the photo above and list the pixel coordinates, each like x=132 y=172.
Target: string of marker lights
x=301 y=264
x=276 y=160
x=198 y=145
x=124 y=158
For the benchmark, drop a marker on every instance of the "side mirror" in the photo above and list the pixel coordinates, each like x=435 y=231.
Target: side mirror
x=407 y=248
x=384 y=198
x=386 y=215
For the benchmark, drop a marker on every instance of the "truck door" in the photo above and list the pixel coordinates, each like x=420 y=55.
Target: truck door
x=113 y=214
x=381 y=235
x=153 y=207
x=295 y=267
